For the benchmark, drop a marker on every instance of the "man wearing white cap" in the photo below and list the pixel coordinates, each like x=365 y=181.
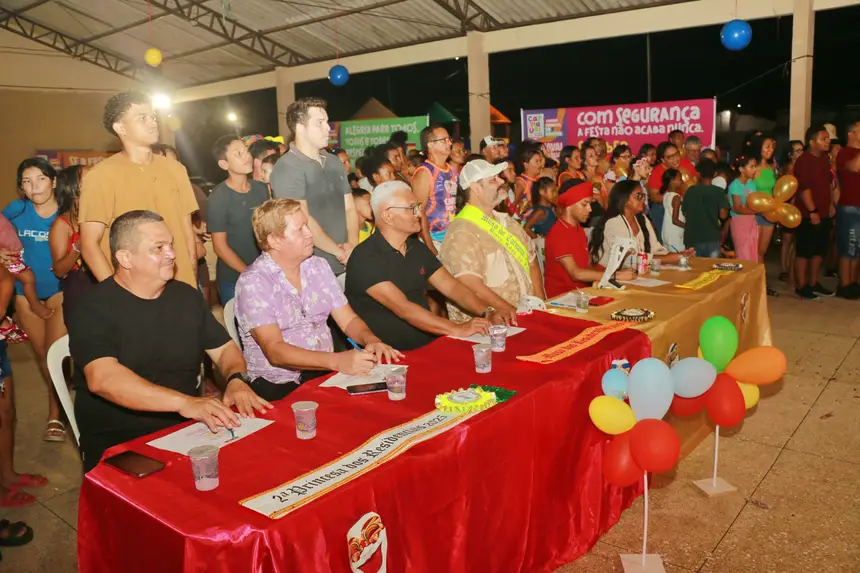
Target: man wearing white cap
x=492 y=149
x=486 y=250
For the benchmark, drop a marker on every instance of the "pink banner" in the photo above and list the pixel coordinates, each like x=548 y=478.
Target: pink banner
x=626 y=124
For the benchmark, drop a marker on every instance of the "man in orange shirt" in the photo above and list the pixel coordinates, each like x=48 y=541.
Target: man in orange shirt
x=136 y=179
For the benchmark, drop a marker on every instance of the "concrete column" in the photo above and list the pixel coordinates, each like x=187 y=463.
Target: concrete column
x=479 y=88
x=285 y=89
x=802 y=49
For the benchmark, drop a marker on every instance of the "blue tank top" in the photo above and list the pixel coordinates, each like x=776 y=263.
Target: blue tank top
x=33 y=233
x=440 y=206
x=544 y=226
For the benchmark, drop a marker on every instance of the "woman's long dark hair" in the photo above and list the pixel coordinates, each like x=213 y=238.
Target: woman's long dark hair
x=668 y=176
x=564 y=157
x=618 y=197
x=524 y=153
x=69 y=191
x=42 y=165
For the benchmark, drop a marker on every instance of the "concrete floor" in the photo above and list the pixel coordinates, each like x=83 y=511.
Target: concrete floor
x=795 y=461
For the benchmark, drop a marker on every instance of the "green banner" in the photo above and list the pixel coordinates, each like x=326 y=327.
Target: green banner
x=355 y=136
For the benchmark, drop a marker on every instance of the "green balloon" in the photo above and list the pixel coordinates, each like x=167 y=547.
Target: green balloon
x=718 y=339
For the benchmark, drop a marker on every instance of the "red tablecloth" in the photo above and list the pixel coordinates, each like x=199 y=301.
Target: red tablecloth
x=516 y=488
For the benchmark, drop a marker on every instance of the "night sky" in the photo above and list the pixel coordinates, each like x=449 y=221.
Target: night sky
x=686 y=64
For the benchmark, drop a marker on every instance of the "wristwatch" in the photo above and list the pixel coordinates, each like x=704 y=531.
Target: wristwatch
x=488 y=311
x=238 y=376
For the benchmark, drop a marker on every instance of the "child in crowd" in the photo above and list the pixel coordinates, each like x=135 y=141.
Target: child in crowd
x=673 y=218
x=542 y=217
x=365 y=214
x=266 y=166
x=704 y=205
x=23 y=274
x=744 y=225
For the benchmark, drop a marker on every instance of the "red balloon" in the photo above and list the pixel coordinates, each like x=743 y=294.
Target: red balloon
x=725 y=401
x=619 y=468
x=687 y=406
x=655 y=445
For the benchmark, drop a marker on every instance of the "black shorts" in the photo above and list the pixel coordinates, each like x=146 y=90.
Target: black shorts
x=813 y=240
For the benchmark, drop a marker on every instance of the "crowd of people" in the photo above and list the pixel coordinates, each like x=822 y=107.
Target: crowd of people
x=389 y=252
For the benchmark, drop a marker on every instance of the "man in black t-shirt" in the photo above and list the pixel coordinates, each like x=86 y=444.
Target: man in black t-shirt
x=388 y=274
x=137 y=342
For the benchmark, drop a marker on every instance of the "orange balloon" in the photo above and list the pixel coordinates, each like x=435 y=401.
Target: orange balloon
x=789 y=215
x=785 y=188
x=760 y=202
x=759 y=365
x=772 y=215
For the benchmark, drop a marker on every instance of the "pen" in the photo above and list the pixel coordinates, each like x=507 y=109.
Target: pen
x=353 y=343
x=232 y=434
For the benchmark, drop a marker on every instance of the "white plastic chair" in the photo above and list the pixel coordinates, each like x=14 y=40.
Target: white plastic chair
x=58 y=351
x=230 y=322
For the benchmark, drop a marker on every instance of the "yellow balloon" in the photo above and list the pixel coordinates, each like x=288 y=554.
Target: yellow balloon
x=785 y=188
x=772 y=215
x=611 y=415
x=789 y=215
x=759 y=202
x=153 y=57
x=700 y=353
x=751 y=394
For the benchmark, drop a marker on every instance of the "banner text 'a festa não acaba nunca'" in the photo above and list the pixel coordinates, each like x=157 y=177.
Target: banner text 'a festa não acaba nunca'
x=626 y=124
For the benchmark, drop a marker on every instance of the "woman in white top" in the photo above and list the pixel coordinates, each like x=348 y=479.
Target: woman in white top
x=673 y=220
x=624 y=217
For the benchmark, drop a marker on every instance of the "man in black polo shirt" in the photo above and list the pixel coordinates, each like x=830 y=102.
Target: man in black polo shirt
x=388 y=274
x=136 y=342
x=316 y=179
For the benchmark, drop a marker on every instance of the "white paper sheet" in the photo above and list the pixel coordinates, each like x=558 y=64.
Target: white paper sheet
x=482 y=339
x=199 y=434
x=646 y=282
x=341 y=380
x=675 y=268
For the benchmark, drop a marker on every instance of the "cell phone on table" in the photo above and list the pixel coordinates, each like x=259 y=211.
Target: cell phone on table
x=135 y=464
x=367 y=388
x=600 y=300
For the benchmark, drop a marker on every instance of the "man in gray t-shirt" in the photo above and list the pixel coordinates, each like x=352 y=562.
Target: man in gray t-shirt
x=316 y=179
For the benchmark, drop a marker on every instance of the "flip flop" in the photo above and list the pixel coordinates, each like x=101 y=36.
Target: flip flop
x=55 y=431
x=28 y=481
x=17 y=498
x=15 y=540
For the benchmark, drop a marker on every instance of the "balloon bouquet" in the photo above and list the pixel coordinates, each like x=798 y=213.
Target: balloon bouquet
x=774 y=208
x=718 y=381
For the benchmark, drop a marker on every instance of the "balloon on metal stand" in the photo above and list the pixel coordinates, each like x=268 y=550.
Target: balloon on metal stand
x=338 y=75
x=736 y=35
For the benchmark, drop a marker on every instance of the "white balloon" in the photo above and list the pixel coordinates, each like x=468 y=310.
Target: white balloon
x=650 y=389
x=692 y=377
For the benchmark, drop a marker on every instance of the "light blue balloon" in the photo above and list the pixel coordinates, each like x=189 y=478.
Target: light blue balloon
x=650 y=389
x=614 y=383
x=692 y=377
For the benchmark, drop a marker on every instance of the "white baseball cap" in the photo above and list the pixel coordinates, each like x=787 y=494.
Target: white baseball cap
x=479 y=169
x=489 y=141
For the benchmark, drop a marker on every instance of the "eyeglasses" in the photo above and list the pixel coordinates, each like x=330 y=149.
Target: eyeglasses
x=639 y=196
x=440 y=139
x=416 y=209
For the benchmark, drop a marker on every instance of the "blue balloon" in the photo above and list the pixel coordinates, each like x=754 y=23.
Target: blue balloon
x=614 y=383
x=736 y=35
x=650 y=389
x=692 y=377
x=338 y=75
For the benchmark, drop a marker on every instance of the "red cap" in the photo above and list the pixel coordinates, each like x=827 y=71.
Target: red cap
x=584 y=190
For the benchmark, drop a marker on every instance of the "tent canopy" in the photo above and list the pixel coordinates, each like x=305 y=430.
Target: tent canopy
x=440 y=114
x=373 y=109
x=497 y=117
